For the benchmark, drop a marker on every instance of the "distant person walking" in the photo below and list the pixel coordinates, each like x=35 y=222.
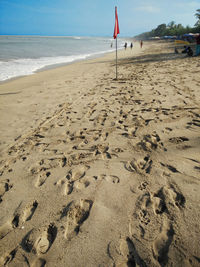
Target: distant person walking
x=141 y=43
x=198 y=45
x=125 y=46
x=131 y=45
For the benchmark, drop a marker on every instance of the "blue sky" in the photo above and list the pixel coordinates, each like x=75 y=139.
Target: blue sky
x=92 y=17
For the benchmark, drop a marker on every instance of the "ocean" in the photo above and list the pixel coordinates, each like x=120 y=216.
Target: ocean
x=24 y=55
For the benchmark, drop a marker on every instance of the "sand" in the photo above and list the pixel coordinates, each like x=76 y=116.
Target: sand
x=99 y=172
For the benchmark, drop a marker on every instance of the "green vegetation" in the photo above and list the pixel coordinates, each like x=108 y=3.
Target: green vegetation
x=197 y=15
x=172 y=29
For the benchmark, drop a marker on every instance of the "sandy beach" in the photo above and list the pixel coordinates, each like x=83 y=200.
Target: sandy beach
x=102 y=172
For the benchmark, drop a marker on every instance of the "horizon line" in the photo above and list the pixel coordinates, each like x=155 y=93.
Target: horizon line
x=38 y=35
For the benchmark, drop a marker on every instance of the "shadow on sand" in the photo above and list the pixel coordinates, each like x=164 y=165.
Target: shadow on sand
x=14 y=93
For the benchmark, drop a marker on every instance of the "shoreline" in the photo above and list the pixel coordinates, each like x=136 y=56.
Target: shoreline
x=102 y=172
x=57 y=65
x=39 y=80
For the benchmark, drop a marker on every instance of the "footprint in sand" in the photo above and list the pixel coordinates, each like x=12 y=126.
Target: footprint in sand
x=7 y=258
x=75 y=178
x=29 y=211
x=77 y=173
x=144 y=206
x=111 y=178
x=65 y=185
x=118 y=251
x=81 y=184
x=169 y=167
x=45 y=240
x=80 y=158
x=178 y=140
x=5 y=229
x=150 y=142
x=16 y=258
x=143 y=186
x=167 y=130
x=18 y=219
x=196 y=168
x=123 y=253
x=141 y=166
x=131 y=132
x=75 y=214
x=147 y=217
x=103 y=136
x=172 y=196
x=9 y=226
x=41 y=179
x=166 y=198
x=54 y=162
x=4 y=187
x=108 y=178
x=194 y=122
x=101 y=149
x=162 y=244
x=39 y=241
x=159 y=205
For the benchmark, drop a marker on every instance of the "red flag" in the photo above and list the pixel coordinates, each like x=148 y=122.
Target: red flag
x=116 y=29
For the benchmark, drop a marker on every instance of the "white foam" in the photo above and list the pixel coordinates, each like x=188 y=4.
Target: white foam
x=27 y=66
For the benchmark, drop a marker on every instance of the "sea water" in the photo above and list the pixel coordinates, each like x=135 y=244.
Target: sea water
x=24 y=55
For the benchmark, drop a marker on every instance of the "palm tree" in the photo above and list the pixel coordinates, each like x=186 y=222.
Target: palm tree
x=197 y=15
x=171 y=24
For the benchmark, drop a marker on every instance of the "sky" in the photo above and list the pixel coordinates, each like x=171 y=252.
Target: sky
x=92 y=17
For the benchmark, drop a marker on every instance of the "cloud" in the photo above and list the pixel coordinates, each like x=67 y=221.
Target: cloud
x=148 y=9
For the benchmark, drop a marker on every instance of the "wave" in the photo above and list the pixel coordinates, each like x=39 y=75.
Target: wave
x=27 y=66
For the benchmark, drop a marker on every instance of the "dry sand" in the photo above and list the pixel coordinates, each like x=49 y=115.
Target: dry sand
x=98 y=172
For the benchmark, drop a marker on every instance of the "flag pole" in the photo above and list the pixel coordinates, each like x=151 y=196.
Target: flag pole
x=116 y=32
x=116 y=57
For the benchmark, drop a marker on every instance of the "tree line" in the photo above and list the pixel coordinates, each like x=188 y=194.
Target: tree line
x=172 y=29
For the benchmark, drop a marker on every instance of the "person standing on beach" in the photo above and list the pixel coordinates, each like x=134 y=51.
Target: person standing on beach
x=125 y=46
x=198 y=45
x=141 y=43
x=131 y=45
